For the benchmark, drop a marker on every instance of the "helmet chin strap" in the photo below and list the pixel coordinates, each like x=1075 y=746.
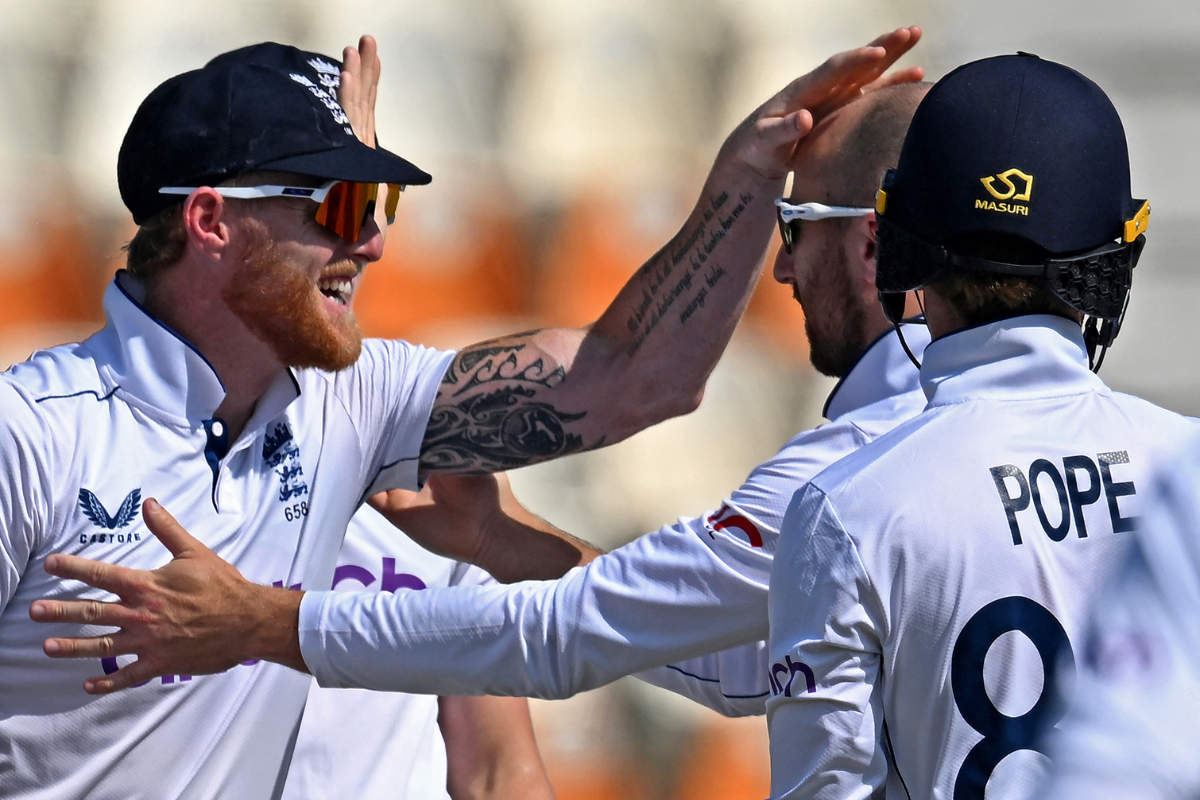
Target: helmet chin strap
x=903 y=343
x=893 y=309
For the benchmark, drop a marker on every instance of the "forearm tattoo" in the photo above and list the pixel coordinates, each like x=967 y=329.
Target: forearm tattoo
x=492 y=412
x=493 y=422
x=678 y=280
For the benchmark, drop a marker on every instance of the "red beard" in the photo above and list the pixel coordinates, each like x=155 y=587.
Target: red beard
x=281 y=306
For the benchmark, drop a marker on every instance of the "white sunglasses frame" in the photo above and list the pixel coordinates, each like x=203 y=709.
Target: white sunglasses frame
x=814 y=211
x=316 y=194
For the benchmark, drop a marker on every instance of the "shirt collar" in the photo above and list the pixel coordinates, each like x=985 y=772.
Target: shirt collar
x=884 y=370
x=153 y=363
x=1037 y=355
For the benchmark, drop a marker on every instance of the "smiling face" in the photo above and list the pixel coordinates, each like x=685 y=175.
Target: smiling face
x=296 y=283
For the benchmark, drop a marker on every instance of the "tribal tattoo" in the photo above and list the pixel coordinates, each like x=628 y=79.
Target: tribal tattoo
x=495 y=422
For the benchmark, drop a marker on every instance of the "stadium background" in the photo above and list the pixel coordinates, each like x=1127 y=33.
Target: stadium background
x=567 y=139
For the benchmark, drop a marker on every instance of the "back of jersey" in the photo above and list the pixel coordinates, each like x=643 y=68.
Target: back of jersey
x=929 y=591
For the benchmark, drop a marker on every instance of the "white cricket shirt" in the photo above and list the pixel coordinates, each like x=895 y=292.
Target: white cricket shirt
x=86 y=432
x=1131 y=733
x=695 y=587
x=375 y=745
x=925 y=584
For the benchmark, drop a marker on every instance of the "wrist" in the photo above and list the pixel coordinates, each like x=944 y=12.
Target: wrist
x=275 y=635
x=531 y=549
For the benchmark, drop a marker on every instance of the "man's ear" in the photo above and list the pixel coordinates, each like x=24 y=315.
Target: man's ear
x=205 y=218
x=863 y=249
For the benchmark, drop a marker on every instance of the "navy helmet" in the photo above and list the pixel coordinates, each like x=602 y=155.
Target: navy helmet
x=1025 y=147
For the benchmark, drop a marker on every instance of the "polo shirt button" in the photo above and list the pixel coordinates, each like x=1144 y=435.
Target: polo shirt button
x=217 y=428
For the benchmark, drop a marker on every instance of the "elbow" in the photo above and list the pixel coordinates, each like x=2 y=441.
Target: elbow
x=692 y=401
x=670 y=404
x=651 y=409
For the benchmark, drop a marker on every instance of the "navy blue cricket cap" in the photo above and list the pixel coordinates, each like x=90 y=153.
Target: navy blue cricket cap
x=1016 y=145
x=264 y=107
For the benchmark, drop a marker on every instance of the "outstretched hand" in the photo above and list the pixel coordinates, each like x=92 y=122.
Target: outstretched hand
x=195 y=615
x=478 y=519
x=768 y=137
x=359 y=83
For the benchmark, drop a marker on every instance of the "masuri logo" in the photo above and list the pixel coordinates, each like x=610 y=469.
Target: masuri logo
x=1010 y=192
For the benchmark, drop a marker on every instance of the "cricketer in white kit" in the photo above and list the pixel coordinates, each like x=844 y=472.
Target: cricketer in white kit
x=92 y=428
x=928 y=582
x=930 y=592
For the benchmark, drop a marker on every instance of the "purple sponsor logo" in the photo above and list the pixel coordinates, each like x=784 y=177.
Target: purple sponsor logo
x=110 y=665
x=390 y=580
x=786 y=670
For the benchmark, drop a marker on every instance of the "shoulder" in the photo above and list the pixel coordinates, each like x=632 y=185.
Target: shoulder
x=30 y=437
x=1141 y=411
x=49 y=390
x=398 y=354
x=60 y=373
x=808 y=453
x=764 y=495
x=815 y=548
x=880 y=454
x=19 y=412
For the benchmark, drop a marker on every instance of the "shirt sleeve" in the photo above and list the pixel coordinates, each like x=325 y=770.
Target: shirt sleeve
x=25 y=496
x=696 y=587
x=731 y=682
x=1131 y=732
x=825 y=714
x=666 y=596
x=389 y=393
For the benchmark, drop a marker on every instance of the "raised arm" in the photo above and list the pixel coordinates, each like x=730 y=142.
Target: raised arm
x=533 y=396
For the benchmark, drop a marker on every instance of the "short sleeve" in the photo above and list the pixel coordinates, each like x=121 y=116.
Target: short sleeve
x=389 y=394
x=25 y=497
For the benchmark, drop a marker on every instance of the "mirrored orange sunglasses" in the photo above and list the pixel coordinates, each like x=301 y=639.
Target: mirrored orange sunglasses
x=342 y=206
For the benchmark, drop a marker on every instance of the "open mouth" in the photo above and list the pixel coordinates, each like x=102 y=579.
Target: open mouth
x=336 y=289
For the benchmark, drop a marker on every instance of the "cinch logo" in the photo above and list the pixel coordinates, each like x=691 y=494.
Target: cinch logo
x=390 y=580
x=1007 y=190
x=727 y=518
x=783 y=674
